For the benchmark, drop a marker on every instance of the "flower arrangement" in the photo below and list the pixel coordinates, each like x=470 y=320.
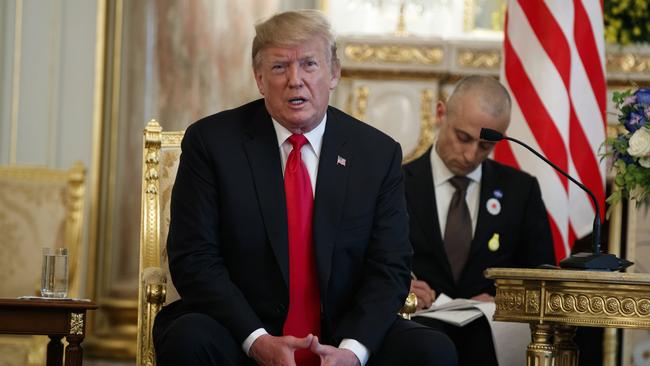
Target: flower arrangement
x=627 y=21
x=630 y=148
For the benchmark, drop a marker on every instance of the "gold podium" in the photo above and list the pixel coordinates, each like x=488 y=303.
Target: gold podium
x=554 y=302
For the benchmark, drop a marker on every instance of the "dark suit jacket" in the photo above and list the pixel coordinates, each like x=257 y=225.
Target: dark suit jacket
x=522 y=225
x=228 y=245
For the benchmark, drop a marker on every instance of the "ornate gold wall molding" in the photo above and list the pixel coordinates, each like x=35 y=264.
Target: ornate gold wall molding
x=431 y=56
x=628 y=62
x=358 y=102
x=479 y=59
x=394 y=54
x=427 y=104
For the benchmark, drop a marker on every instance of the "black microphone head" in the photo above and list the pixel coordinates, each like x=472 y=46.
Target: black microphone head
x=489 y=134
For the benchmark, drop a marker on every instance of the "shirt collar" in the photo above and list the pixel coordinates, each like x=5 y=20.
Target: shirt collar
x=315 y=136
x=442 y=174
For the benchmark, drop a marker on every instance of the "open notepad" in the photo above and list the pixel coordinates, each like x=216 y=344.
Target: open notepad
x=454 y=311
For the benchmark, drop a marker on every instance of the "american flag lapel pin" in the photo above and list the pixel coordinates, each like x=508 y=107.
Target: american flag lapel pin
x=340 y=160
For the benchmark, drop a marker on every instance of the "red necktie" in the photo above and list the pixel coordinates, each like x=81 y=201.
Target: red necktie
x=304 y=295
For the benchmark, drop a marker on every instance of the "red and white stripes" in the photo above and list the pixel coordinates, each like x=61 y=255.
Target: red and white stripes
x=553 y=66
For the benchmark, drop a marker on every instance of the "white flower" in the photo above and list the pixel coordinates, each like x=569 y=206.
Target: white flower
x=639 y=143
x=638 y=193
x=645 y=162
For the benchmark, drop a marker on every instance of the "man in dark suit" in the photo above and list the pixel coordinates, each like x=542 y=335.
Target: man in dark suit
x=289 y=228
x=468 y=213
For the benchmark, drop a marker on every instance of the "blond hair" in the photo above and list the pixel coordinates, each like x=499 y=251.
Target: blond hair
x=291 y=28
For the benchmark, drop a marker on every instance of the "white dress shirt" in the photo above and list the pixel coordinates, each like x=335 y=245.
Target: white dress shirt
x=444 y=190
x=310 y=154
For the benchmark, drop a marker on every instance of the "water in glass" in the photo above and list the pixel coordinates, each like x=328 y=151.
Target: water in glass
x=54 y=279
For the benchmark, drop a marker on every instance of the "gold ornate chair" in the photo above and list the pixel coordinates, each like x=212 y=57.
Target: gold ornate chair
x=159 y=166
x=39 y=207
x=161 y=155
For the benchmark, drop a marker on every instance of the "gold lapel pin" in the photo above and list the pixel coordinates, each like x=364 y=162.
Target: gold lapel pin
x=493 y=243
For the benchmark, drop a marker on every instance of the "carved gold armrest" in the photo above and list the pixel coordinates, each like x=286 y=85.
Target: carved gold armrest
x=152 y=297
x=154 y=282
x=410 y=305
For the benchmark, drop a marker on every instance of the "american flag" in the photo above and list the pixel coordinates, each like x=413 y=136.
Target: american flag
x=340 y=160
x=553 y=66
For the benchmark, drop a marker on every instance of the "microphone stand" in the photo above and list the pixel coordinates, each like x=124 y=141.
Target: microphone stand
x=595 y=261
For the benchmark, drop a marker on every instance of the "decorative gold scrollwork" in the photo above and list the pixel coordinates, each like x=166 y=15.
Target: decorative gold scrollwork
x=479 y=59
x=532 y=302
x=612 y=305
x=644 y=307
x=172 y=138
x=77 y=323
x=568 y=303
x=394 y=54
x=627 y=62
x=361 y=94
x=427 y=118
x=595 y=305
x=627 y=306
x=152 y=157
x=555 y=302
x=511 y=300
x=582 y=305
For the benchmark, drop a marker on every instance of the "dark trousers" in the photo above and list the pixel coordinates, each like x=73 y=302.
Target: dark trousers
x=197 y=339
x=473 y=341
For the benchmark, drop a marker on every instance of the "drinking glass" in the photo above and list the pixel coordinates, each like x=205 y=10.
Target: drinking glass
x=54 y=277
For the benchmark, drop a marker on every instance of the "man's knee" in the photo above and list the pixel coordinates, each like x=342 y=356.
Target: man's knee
x=195 y=339
x=431 y=346
x=436 y=347
x=410 y=343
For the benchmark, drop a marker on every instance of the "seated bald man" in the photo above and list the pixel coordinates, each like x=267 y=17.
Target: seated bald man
x=468 y=212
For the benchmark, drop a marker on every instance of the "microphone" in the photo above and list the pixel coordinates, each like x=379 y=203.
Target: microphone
x=595 y=261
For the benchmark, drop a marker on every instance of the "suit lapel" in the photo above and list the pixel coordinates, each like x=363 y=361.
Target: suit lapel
x=422 y=203
x=331 y=186
x=264 y=159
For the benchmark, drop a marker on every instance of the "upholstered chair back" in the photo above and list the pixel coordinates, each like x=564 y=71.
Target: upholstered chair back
x=39 y=207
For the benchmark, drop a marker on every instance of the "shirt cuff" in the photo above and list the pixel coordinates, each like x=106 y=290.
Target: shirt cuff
x=248 y=342
x=357 y=348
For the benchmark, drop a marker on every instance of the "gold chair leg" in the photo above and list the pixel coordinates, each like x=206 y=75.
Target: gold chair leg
x=567 y=350
x=541 y=352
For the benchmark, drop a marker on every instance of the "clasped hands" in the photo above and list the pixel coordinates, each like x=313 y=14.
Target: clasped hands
x=269 y=350
x=426 y=296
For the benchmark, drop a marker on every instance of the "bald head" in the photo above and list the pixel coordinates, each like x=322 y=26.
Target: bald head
x=487 y=92
x=477 y=102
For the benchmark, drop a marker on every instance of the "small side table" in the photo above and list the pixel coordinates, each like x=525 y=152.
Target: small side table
x=554 y=302
x=54 y=318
